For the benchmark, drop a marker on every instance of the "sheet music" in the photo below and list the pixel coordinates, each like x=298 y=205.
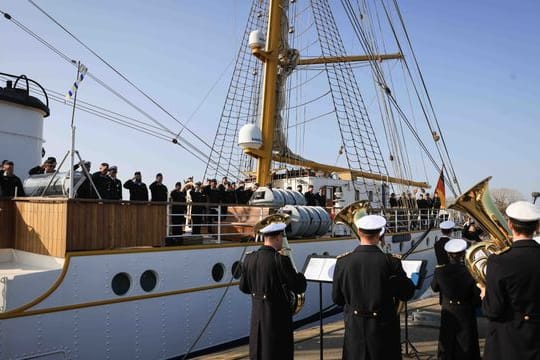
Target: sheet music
x=320 y=269
x=412 y=269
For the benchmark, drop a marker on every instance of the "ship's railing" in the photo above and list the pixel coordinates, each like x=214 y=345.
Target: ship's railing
x=214 y=221
x=220 y=222
x=414 y=219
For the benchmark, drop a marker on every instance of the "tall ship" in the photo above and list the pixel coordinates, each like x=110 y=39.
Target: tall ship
x=98 y=278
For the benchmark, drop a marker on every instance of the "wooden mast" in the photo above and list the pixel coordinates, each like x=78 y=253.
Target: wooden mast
x=269 y=95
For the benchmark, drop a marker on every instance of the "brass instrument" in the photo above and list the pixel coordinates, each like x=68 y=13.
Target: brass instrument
x=352 y=212
x=296 y=301
x=478 y=203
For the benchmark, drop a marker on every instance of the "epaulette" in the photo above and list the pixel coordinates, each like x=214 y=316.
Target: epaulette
x=250 y=252
x=439 y=266
x=344 y=254
x=504 y=250
x=397 y=256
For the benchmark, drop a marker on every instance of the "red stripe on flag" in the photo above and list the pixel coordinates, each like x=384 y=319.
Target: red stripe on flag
x=440 y=190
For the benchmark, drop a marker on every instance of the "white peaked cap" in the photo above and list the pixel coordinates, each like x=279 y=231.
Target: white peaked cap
x=455 y=246
x=523 y=211
x=272 y=228
x=447 y=225
x=370 y=222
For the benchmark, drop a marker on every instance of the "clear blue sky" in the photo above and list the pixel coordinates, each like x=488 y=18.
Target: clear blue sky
x=479 y=59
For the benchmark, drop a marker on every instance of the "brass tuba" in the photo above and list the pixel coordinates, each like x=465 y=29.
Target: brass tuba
x=478 y=203
x=296 y=301
x=352 y=212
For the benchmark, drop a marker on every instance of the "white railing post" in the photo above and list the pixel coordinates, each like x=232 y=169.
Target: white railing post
x=219 y=224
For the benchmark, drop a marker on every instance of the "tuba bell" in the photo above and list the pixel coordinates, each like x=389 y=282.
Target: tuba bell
x=296 y=301
x=478 y=203
x=352 y=212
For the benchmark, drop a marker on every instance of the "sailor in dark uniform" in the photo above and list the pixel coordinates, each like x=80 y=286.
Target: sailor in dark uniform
x=137 y=189
x=458 y=334
x=447 y=227
x=158 y=190
x=115 y=184
x=366 y=282
x=268 y=277
x=10 y=184
x=512 y=292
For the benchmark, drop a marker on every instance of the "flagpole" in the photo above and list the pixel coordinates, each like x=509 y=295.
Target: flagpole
x=72 y=152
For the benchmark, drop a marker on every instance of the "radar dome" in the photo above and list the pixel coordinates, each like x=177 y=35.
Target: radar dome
x=256 y=40
x=250 y=137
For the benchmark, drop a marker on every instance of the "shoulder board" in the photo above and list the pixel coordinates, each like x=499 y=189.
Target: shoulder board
x=440 y=266
x=344 y=254
x=397 y=256
x=504 y=250
x=250 y=252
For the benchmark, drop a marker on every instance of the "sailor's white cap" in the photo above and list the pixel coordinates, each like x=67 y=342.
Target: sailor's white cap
x=370 y=222
x=523 y=211
x=447 y=225
x=455 y=246
x=273 y=228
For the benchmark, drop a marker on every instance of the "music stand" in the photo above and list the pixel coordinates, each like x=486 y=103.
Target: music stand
x=415 y=270
x=320 y=269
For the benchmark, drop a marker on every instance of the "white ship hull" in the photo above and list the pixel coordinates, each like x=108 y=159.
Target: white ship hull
x=79 y=315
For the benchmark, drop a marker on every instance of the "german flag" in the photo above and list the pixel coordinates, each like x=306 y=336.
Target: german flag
x=439 y=189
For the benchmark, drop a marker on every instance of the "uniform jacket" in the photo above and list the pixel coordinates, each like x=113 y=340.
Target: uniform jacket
x=512 y=303
x=271 y=334
x=366 y=282
x=440 y=253
x=458 y=334
x=137 y=190
x=103 y=183
x=159 y=191
x=116 y=189
x=8 y=183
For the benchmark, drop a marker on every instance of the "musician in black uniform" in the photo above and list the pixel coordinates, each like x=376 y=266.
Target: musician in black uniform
x=458 y=334
x=512 y=292
x=447 y=227
x=367 y=282
x=268 y=277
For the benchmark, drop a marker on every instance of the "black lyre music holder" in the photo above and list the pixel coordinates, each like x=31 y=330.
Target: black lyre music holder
x=320 y=269
x=415 y=270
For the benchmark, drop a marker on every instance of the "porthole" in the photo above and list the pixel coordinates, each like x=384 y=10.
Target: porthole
x=148 y=280
x=121 y=283
x=218 y=270
x=236 y=269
